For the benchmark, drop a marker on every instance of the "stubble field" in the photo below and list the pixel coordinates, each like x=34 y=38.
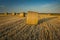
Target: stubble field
x=15 y=28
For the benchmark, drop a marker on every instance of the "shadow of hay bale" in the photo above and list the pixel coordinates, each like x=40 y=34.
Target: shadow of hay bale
x=45 y=19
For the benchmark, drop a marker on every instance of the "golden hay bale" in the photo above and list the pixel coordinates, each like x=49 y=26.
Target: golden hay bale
x=17 y=13
x=5 y=13
x=13 y=13
x=32 y=17
x=48 y=14
x=22 y=14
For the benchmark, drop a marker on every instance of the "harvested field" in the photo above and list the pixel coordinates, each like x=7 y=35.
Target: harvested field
x=15 y=28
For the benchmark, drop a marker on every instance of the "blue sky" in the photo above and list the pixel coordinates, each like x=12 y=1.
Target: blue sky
x=43 y=6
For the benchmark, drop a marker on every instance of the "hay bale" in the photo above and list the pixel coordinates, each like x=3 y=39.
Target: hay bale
x=22 y=14
x=48 y=14
x=17 y=13
x=32 y=17
x=13 y=13
x=5 y=13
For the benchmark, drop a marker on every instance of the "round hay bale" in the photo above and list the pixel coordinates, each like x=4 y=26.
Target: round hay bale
x=5 y=13
x=32 y=17
x=13 y=13
x=22 y=14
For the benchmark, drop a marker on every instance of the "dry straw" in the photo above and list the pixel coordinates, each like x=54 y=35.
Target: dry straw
x=13 y=13
x=32 y=17
x=5 y=13
x=22 y=14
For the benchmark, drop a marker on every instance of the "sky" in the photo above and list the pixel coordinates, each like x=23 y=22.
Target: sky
x=42 y=6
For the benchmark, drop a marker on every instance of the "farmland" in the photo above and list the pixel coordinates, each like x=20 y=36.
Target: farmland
x=15 y=28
